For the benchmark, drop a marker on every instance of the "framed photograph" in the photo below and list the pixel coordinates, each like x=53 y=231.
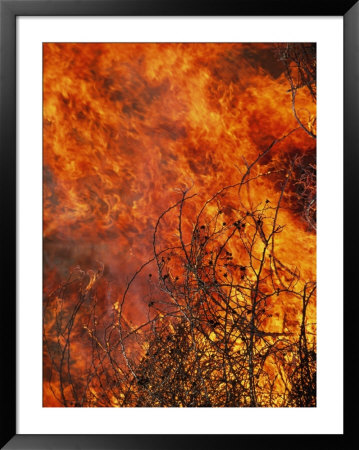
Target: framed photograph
x=173 y=179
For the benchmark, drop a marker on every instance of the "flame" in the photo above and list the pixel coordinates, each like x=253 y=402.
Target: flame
x=129 y=128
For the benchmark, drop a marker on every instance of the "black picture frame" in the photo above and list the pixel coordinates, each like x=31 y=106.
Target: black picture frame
x=9 y=10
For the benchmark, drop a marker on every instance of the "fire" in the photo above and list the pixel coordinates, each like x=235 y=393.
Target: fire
x=179 y=206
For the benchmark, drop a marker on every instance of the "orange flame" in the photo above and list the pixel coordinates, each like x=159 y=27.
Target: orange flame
x=127 y=127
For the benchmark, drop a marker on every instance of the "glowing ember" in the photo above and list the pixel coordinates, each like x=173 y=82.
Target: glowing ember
x=179 y=225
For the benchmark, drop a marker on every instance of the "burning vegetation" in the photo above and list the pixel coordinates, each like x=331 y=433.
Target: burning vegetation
x=179 y=225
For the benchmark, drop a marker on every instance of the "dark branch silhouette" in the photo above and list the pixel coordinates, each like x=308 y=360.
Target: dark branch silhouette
x=212 y=335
